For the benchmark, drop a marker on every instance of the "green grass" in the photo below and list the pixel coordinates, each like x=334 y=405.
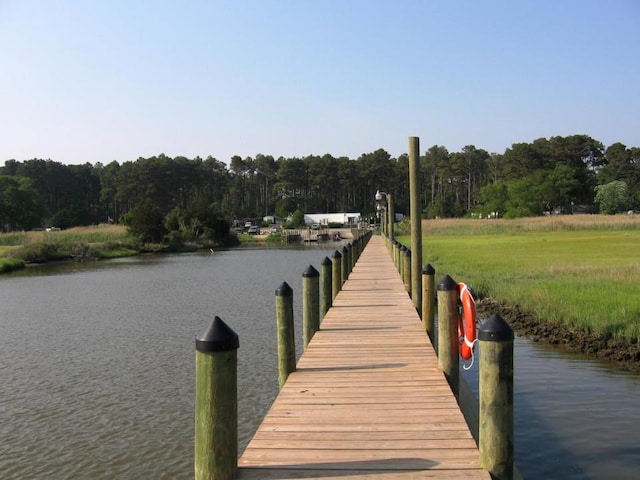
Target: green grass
x=104 y=241
x=586 y=278
x=9 y=264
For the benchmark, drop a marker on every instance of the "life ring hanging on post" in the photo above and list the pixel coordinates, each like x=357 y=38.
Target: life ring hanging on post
x=466 y=321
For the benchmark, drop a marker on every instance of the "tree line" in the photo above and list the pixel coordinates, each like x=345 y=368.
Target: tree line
x=554 y=175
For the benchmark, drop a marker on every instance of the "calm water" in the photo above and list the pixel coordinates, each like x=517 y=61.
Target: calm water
x=97 y=371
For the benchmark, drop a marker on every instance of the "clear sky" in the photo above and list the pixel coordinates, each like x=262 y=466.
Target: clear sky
x=97 y=81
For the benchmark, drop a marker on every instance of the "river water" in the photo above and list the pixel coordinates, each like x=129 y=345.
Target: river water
x=97 y=370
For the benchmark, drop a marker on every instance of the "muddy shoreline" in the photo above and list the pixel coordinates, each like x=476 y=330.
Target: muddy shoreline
x=623 y=354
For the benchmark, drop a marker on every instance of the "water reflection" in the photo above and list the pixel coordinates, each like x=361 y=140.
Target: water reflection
x=569 y=415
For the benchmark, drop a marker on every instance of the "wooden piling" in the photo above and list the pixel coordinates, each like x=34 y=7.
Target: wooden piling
x=310 y=303
x=345 y=264
x=286 y=336
x=216 y=403
x=428 y=300
x=495 y=435
x=326 y=295
x=416 y=222
x=448 y=346
x=406 y=270
x=391 y=216
x=336 y=270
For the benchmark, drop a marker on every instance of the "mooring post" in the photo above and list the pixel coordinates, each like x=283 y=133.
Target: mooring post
x=345 y=265
x=286 y=336
x=401 y=251
x=348 y=256
x=353 y=256
x=392 y=217
x=495 y=435
x=216 y=403
x=416 y=222
x=310 y=303
x=406 y=270
x=325 y=281
x=336 y=269
x=356 y=249
x=428 y=299
x=448 y=346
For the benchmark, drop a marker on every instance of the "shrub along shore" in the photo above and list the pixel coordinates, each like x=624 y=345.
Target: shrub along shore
x=566 y=280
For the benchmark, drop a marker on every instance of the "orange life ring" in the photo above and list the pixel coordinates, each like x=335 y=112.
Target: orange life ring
x=466 y=321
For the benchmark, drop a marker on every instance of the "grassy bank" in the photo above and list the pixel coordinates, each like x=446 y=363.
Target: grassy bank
x=104 y=241
x=85 y=243
x=580 y=271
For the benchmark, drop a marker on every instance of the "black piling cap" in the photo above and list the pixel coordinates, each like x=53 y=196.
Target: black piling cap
x=310 y=272
x=337 y=254
x=407 y=253
x=447 y=284
x=495 y=329
x=403 y=248
x=428 y=269
x=325 y=261
x=284 y=290
x=218 y=337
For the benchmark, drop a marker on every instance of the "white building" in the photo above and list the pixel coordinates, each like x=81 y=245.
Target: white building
x=345 y=219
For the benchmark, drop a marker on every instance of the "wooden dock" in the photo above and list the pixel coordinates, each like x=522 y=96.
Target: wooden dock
x=367 y=399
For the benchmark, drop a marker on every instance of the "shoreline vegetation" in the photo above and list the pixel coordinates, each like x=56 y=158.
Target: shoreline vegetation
x=19 y=249
x=567 y=280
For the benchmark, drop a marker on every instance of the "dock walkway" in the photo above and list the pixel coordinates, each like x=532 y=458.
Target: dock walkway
x=367 y=399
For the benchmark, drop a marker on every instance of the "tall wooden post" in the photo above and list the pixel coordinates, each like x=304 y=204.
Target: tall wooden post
x=416 y=222
x=336 y=270
x=391 y=217
x=286 y=336
x=495 y=435
x=428 y=299
x=325 y=281
x=448 y=346
x=310 y=303
x=216 y=403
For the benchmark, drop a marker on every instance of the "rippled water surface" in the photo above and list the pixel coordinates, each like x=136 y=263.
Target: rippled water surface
x=97 y=371
x=97 y=360
x=574 y=418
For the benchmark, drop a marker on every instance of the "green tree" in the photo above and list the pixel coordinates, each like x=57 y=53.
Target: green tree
x=494 y=198
x=297 y=220
x=21 y=207
x=612 y=197
x=202 y=221
x=146 y=221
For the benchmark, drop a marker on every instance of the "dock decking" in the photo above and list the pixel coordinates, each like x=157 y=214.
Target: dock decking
x=367 y=399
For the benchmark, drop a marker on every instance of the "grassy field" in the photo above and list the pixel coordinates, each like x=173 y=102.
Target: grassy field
x=583 y=271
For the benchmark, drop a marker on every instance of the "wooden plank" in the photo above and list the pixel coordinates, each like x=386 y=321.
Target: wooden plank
x=367 y=399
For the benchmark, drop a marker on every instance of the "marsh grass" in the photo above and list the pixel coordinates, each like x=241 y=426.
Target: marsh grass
x=102 y=241
x=583 y=271
x=8 y=264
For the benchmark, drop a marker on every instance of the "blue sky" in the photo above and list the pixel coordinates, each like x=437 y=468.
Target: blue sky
x=97 y=81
